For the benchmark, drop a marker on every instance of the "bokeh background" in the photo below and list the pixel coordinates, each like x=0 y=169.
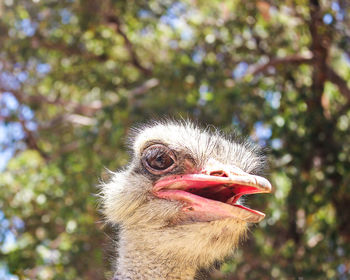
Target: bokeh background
x=75 y=75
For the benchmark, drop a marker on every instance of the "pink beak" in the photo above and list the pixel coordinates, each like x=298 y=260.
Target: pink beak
x=213 y=192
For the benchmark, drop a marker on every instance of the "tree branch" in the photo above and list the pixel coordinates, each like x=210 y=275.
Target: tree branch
x=39 y=41
x=319 y=47
x=31 y=141
x=342 y=85
x=116 y=24
x=292 y=59
x=72 y=106
x=146 y=86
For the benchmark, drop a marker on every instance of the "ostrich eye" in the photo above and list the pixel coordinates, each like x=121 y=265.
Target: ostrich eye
x=158 y=159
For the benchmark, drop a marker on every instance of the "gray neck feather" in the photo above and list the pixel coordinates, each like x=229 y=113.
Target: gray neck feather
x=147 y=253
x=143 y=262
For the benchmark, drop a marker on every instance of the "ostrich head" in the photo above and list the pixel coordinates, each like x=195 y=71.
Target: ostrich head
x=178 y=201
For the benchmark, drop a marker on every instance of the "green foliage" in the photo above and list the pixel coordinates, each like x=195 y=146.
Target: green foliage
x=89 y=70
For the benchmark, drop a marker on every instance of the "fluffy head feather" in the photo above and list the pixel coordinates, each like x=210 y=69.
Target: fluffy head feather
x=155 y=236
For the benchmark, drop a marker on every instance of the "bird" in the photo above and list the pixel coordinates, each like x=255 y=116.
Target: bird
x=177 y=203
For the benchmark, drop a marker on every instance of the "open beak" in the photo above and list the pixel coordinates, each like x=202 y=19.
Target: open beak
x=213 y=193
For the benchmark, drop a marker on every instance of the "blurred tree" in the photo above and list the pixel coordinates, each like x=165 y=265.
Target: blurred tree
x=75 y=75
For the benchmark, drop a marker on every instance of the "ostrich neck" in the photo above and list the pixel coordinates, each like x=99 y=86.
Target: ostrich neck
x=141 y=261
x=160 y=253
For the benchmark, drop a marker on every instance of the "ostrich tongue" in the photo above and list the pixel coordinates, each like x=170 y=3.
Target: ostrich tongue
x=208 y=197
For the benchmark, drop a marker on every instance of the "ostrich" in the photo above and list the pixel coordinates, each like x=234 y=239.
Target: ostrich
x=177 y=203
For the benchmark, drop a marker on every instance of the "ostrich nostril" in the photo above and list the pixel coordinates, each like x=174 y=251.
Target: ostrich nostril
x=219 y=173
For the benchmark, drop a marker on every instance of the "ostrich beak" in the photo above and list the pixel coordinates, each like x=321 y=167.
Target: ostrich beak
x=213 y=193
